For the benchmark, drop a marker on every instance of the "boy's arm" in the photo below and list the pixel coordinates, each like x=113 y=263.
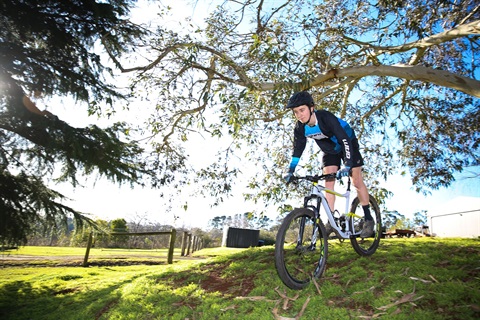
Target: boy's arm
x=299 y=144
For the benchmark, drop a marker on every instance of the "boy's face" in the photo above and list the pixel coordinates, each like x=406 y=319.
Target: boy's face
x=302 y=113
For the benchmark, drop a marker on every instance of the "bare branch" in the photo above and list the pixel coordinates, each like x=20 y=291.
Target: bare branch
x=348 y=89
x=439 y=77
x=470 y=14
x=460 y=31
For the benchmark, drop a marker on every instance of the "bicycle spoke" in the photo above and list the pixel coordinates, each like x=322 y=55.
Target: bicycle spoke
x=365 y=246
x=300 y=250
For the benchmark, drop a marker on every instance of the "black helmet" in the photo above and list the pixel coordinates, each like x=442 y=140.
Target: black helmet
x=299 y=99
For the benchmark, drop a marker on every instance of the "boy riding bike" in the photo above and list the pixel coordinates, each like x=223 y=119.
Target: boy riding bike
x=337 y=141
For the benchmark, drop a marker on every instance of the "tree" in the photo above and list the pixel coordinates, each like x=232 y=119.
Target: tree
x=394 y=220
x=404 y=73
x=47 y=49
x=420 y=218
x=119 y=225
x=102 y=236
x=391 y=219
x=257 y=221
x=219 y=222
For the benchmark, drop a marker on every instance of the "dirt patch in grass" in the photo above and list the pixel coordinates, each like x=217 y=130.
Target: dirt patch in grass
x=213 y=279
x=105 y=309
x=66 y=291
x=234 y=286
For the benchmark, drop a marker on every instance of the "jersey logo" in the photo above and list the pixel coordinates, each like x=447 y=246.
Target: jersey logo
x=314 y=133
x=317 y=136
x=347 y=149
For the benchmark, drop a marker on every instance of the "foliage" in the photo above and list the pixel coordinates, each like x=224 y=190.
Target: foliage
x=49 y=49
x=405 y=75
x=118 y=225
x=391 y=218
x=268 y=237
x=404 y=279
x=394 y=220
x=402 y=74
x=102 y=237
x=247 y=220
x=218 y=222
x=52 y=235
x=420 y=218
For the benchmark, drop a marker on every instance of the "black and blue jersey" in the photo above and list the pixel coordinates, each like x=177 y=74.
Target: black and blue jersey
x=332 y=135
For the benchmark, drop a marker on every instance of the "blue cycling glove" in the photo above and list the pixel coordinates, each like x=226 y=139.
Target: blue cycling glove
x=291 y=169
x=288 y=177
x=343 y=172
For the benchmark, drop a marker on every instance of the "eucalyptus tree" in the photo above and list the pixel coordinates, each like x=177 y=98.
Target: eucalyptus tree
x=405 y=73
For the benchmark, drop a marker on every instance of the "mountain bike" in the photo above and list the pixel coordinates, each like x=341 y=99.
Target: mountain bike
x=301 y=246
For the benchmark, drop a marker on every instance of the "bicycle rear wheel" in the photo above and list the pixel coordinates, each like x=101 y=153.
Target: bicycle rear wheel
x=365 y=246
x=301 y=248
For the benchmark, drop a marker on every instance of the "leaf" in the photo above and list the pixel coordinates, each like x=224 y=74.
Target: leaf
x=421 y=280
x=410 y=297
x=231 y=307
x=256 y=298
x=370 y=289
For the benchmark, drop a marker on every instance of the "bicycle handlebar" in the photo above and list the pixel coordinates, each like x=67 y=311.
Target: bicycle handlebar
x=316 y=178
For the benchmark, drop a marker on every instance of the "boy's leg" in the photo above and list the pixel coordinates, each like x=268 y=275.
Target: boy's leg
x=330 y=184
x=358 y=183
x=331 y=164
x=364 y=198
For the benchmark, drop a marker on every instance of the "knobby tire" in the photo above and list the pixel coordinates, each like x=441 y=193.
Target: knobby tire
x=297 y=262
x=365 y=246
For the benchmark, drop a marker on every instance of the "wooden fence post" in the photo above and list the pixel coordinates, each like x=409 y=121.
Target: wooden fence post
x=173 y=236
x=194 y=245
x=87 y=253
x=184 y=242
x=189 y=243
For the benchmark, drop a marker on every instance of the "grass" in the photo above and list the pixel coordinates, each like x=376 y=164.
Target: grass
x=68 y=256
x=425 y=278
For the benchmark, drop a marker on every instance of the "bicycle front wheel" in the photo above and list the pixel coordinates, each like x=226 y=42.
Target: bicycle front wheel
x=301 y=248
x=365 y=246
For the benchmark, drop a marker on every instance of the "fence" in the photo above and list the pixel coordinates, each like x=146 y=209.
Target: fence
x=189 y=242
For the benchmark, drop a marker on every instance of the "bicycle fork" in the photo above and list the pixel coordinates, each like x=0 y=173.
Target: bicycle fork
x=316 y=222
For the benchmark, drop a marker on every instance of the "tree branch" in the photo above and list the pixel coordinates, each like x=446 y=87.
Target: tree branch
x=436 y=39
x=244 y=79
x=439 y=77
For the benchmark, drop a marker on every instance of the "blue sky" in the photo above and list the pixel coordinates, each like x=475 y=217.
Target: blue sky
x=406 y=201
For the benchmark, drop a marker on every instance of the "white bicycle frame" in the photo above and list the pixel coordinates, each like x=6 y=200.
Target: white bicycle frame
x=318 y=191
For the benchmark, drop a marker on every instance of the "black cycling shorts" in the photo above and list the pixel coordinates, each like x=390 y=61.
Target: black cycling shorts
x=329 y=159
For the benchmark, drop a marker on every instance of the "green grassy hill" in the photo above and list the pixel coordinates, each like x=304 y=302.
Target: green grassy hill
x=424 y=278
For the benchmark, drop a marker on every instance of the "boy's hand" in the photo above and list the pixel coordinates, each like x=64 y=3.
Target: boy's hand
x=288 y=177
x=343 y=172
